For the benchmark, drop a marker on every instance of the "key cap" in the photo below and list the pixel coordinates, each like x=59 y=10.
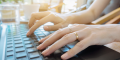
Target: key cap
x=18 y=45
x=10 y=53
x=26 y=39
x=29 y=45
x=10 y=58
x=10 y=45
x=52 y=31
x=21 y=54
x=20 y=49
x=34 y=55
x=10 y=49
x=23 y=58
x=40 y=35
x=17 y=38
x=38 y=58
x=36 y=43
x=10 y=42
x=46 y=33
x=31 y=50
x=27 y=42
x=64 y=49
x=17 y=41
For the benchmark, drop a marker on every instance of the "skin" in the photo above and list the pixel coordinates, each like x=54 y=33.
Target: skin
x=63 y=20
x=88 y=34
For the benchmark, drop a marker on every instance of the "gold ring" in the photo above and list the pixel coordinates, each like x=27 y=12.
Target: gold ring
x=76 y=35
x=70 y=29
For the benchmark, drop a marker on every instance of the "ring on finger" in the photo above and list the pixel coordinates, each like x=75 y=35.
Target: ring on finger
x=76 y=35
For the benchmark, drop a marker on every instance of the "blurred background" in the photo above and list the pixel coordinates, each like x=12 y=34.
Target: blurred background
x=15 y=10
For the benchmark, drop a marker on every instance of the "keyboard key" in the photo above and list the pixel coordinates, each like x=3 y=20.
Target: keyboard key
x=10 y=45
x=38 y=58
x=10 y=58
x=25 y=39
x=9 y=37
x=17 y=38
x=17 y=41
x=31 y=49
x=40 y=35
x=10 y=53
x=18 y=45
x=21 y=54
x=10 y=49
x=23 y=58
x=27 y=42
x=36 y=43
x=8 y=40
x=29 y=45
x=64 y=49
x=20 y=49
x=52 y=31
x=24 y=36
x=34 y=55
x=46 y=33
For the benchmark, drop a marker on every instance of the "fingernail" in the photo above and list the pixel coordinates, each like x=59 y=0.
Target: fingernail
x=45 y=53
x=40 y=47
x=65 y=56
x=46 y=27
x=41 y=40
x=28 y=33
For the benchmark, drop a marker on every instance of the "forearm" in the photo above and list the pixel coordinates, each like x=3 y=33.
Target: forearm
x=90 y=14
x=83 y=17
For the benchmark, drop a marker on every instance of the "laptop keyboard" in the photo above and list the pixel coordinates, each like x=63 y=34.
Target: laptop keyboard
x=21 y=47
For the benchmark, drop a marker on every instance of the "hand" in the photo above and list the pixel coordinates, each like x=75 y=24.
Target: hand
x=87 y=35
x=59 y=21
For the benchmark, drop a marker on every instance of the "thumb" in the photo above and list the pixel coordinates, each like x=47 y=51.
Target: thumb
x=55 y=27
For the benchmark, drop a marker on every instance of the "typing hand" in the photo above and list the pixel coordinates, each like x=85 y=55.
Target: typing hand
x=86 y=34
x=59 y=21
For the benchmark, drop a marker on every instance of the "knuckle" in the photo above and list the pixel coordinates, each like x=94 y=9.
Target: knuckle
x=67 y=36
x=59 y=31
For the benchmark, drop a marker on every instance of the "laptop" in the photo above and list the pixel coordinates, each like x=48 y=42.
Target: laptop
x=15 y=45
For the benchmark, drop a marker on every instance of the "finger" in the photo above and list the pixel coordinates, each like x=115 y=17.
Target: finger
x=55 y=27
x=39 y=23
x=43 y=39
x=37 y=16
x=54 y=37
x=63 y=41
x=58 y=34
x=77 y=48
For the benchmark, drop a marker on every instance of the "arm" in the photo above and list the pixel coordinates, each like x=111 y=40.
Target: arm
x=63 y=20
x=91 y=13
